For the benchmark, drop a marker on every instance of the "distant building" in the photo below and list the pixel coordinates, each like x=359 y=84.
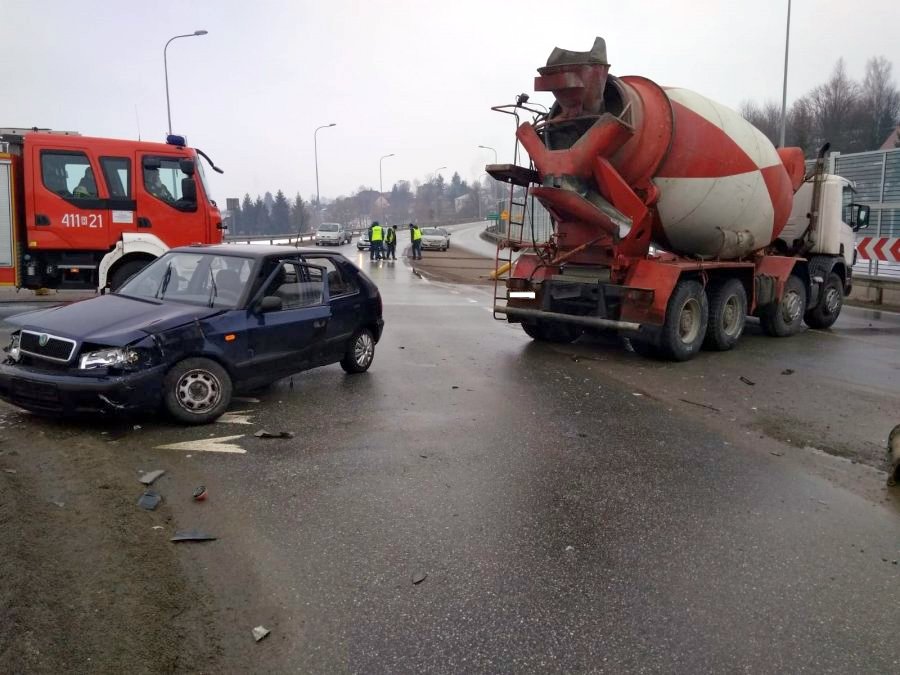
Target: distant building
x=892 y=141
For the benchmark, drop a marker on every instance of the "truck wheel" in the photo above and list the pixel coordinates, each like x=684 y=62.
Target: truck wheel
x=785 y=318
x=687 y=316
x=360 y=352
x=125 y=271
x=727 y=315
x=197 y=391
x=559 y=333
x=831 y=300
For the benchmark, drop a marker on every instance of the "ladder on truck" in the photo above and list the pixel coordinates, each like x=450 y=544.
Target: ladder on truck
x=513 y=241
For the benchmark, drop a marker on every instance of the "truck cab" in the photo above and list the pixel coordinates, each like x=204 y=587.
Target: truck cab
x=90 y=212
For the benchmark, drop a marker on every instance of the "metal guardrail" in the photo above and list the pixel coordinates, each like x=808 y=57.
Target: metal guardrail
x=271 y=238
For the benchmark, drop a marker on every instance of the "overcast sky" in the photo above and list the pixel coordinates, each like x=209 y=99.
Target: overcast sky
x=412 y=77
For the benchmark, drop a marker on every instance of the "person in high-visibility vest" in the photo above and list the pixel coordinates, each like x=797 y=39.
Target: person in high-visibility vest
x=390 y=240
x=376 y=236
x=415 y=235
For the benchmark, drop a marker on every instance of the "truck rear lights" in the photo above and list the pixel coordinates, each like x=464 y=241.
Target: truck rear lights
x=640 y=297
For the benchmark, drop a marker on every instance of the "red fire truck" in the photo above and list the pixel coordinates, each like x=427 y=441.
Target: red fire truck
x=78 y=212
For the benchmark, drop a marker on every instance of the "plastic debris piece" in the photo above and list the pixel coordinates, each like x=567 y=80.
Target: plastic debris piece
x=419 y=577
x=787 y=371
x=157 y=527
x=136 y=427
x=200 y=493
x=570 y=548
x=149 y=477
x=262 y=433
x=193 y=535
x=149 y=500
x=700 y=405
x=9 y=471
x=636 y=393
x=747 y=381
x=260 y=632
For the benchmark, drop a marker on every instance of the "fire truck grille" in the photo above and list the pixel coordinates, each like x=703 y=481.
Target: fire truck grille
x=46 y=346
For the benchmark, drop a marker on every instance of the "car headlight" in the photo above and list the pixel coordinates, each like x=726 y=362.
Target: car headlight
x=109 y=358
x=13 y=349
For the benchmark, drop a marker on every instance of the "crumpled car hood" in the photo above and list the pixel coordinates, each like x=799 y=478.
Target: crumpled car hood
x=112 y=320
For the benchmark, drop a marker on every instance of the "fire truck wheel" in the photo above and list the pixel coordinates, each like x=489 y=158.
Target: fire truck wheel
x=197 y=391
x=785 y=318
x=826 y=312
x=727 y=315
x=687 y=315
x=559 y=333
x=125 y=271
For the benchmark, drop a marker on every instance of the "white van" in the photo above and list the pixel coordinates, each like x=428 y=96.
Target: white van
x=332 y=234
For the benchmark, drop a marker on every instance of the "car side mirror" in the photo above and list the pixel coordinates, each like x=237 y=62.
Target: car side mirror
x=859 y=217
x=270 y=303
x=187 y=166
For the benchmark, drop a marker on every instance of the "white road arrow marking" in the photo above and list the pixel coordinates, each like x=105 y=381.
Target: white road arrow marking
x=236 y=417
x=220 y=444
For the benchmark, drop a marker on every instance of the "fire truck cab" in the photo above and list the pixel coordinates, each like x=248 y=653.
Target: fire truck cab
x=83 y=212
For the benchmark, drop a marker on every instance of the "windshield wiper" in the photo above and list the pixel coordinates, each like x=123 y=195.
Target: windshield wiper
x=164 y=283
x=213 y=290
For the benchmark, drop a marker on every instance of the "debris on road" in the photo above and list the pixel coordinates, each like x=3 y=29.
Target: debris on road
x=192 y=535
x=787 y=371
x=9 y=471
x=700 y=405
x=454 y=387
x=418 y=578
x=893 y=449
x=245 y=399
x=636 y=393
x=200 y=493
x=777 y=454
x=149 y=477
x=748 y=381
x=262 y=433
x=570 y=548
x=149 y=500
x=260 y=632
x=136 y=427
x=60 y=504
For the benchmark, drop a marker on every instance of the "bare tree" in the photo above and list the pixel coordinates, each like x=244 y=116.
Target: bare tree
x=766 y=118
x=801 y=128
x=880 y=102
x=835 y=106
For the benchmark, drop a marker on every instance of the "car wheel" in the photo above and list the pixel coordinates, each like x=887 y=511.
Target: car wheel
x=197 y=391
x=125 y=271
x=785 y=318
x=360 y=352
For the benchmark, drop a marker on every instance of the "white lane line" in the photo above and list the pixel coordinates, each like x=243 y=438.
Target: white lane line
x=488 y=309
x=220 y=444
x=235 y=417
x=471 y=300
x=455 y=292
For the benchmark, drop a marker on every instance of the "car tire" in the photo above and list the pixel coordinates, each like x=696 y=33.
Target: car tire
x=197 y=391
x=360 y=352
x=687 y=316
x=828 y=309
x=727 y=315
x=785 y=318
x=125 y=271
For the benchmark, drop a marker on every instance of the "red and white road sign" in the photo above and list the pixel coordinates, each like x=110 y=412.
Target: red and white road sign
x=879 y=248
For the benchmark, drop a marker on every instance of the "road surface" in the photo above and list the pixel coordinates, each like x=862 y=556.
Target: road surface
x=563 y=509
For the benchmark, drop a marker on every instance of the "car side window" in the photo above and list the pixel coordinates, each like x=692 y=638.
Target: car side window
x=339 y=282
x=117 y=172
x=297 y=286
x=68 y=174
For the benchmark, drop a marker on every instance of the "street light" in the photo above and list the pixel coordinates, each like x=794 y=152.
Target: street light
x=487 y=147
x=196 y=33
x=381 y=183
x=316 y=153
x=435 y=172
x=787 y=42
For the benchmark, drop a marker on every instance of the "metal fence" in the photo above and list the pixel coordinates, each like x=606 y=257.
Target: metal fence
x=876 y=178
x=538 y=225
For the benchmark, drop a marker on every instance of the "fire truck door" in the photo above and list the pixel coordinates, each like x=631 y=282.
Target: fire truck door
x=167 y=200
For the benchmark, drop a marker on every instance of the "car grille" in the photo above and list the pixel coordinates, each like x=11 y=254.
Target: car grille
x=54 y=348
x=38 y=393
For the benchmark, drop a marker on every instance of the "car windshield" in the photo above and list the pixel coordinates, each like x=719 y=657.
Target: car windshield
x=205 y=279
x=328 y=227
x=432 y=231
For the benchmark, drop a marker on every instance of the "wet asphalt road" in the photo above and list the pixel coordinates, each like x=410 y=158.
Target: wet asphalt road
x=564 y=523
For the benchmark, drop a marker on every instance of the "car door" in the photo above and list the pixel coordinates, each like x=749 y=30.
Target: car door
x=345 y=299
x=288 y=336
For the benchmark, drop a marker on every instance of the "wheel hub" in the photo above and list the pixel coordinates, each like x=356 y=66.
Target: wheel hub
x=832 y=300
x=731 y=316
x=790 y=306
x=363 y=349
x=689 y=321
x=198 y=391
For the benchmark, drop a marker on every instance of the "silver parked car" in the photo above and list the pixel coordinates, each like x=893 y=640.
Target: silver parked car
x=333 y=234
x=435 y=238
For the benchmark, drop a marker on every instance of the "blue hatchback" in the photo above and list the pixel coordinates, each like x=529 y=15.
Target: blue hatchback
x=192 y=328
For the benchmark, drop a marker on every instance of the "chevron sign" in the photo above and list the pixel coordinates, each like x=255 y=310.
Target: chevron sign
x=879 y=248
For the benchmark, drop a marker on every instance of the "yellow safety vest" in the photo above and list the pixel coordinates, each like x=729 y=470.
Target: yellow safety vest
x=391 y=236
x=376 y=233
x=416 y=234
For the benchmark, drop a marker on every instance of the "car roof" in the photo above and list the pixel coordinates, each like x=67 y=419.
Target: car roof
x=254 y=251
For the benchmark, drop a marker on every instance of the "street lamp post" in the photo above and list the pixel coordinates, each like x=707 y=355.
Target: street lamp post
x=381 y=183
x=787 y=42
x=316 y=153
x=196 y=33
x=494 y=184
x=435 y=172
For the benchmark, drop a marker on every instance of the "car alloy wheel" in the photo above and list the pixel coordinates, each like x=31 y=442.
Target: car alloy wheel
x=363 y=349
x=198 y=391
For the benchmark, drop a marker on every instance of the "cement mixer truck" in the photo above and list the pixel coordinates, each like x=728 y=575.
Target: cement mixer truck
x=673 y=218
